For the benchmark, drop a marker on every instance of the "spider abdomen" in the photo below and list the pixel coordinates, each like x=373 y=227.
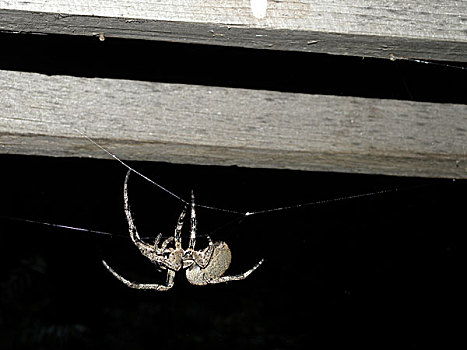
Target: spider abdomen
x=218 y=264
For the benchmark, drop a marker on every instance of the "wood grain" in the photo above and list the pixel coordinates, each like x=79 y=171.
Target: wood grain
x=224 y=126
x=375 y=28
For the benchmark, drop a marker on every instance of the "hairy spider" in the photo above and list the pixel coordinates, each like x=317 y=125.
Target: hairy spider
x=203 y=267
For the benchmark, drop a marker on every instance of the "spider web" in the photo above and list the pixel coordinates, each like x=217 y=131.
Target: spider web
x=239 y=216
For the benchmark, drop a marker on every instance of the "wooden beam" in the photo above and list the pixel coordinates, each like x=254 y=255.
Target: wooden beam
x=224 y=126
x=434 y=30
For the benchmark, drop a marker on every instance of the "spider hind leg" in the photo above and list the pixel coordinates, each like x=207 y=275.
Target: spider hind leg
x=242 y=276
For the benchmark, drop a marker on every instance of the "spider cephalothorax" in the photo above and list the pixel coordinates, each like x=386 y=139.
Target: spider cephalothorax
x=205 y=266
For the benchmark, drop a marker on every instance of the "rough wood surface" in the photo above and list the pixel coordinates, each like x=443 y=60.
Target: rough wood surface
x=224 y=126
x=403 y=28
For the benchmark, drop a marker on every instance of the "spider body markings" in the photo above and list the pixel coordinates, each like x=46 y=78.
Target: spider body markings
x=203 y=267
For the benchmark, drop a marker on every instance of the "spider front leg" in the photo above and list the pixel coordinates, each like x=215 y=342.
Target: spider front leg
x=158 y=287
x=143 y=247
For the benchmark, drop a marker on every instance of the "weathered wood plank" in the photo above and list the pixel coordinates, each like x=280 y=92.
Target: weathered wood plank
x=402 y=28
x=225 y=126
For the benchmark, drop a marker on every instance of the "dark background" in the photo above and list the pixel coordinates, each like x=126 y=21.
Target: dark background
x=377 y=271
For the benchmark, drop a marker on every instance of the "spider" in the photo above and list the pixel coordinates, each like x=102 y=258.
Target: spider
x=203 y=267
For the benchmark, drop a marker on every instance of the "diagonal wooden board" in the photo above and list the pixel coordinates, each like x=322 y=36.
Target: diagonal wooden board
x=226 y=126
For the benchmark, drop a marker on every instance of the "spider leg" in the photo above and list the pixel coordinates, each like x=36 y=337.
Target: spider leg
x=201 y=258
x=159 y=287
x=178 y=229
x=236 y=277
x=162 y=261
x=192 y=243
x=165 y=244
x=158 y=255
x=143 y=247
x=157 y=240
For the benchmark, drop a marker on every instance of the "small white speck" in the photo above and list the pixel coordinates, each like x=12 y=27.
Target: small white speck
x=258 y=8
